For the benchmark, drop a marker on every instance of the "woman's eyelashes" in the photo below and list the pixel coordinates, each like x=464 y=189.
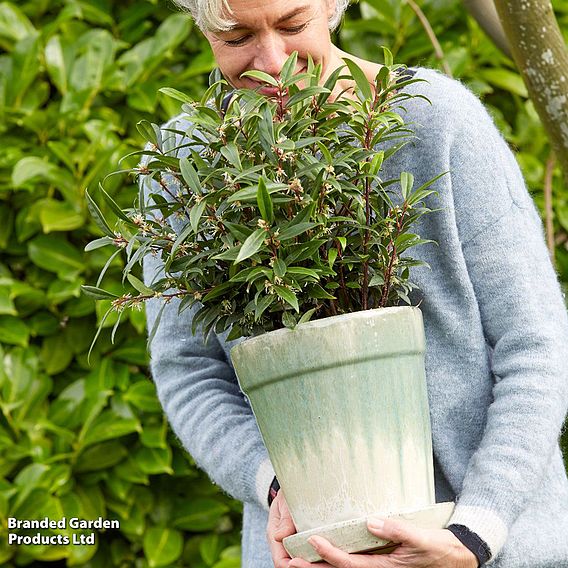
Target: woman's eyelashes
x=243 y=39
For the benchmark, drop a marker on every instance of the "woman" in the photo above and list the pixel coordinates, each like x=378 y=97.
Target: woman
x=494 y=316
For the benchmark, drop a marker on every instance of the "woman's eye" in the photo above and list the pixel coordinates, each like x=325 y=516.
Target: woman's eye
x=242 y=40
x=238 y=41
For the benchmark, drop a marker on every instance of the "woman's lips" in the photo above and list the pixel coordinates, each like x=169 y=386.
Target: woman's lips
x=268 y=91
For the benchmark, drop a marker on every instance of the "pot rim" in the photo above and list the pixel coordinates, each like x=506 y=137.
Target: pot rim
x=330 y=321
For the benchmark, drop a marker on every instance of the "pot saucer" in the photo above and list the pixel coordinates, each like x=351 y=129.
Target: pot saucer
x=353 y=536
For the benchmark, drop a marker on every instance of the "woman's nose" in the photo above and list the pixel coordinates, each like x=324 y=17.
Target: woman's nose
x=271 y=54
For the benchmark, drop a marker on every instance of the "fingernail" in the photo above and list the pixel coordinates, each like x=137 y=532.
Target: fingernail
x=375 y=523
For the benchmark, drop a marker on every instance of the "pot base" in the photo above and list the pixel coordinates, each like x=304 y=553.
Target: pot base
x=353 y=536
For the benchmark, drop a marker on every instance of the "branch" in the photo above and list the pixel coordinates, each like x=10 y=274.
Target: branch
x=431 y=35
x=486 y=15
x=541 y=56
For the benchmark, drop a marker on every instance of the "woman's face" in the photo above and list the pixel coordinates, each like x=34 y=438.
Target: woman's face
x=267 y=32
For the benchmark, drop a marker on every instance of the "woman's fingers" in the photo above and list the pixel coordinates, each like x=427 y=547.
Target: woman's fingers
x=299 y=563
x=395 y=531
x=336 y=558
x=400 y=532
x=285 y=526
x=280 y=525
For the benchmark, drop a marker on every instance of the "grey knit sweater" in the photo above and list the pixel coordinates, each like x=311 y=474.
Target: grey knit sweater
x=497 y=345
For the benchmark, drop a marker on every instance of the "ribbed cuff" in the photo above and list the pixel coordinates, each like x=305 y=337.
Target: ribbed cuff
x=273 y=491
x=473 y=542
x=264 y=478
x=484 y=523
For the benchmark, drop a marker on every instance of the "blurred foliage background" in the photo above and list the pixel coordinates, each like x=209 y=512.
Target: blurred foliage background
x=88 y=439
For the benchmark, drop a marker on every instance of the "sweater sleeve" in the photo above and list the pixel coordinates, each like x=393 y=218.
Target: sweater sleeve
x=200 y=395
x=525 y=324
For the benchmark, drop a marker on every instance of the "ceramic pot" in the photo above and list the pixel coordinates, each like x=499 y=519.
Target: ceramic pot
x=342 y=407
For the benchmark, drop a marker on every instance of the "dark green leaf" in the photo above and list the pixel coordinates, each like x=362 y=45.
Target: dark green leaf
x=360 y=78
x=288 y=296
x=98 y=293
x=264 y=202
x=98 y=216
x=252 y=245
x=190 y=176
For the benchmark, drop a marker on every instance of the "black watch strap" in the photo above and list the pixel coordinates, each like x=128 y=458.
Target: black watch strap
x=472 y=541
x=273 y=491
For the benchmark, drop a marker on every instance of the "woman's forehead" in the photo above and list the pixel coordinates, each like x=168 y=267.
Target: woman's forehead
x=269 y=11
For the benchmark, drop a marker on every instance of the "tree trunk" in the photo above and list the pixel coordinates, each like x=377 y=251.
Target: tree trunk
x=540 y=54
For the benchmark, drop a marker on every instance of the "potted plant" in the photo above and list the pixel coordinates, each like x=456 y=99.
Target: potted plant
x=286 y=234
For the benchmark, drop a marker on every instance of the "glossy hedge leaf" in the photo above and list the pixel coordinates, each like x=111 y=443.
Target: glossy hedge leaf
x=228 y=563
x=110 y=425
x=199 y=514
x=162 y=546
x=59 y=216
x=154 y=460
x=101 y=456
x=142 y=394
x=13 y=331
x=56 y=354
x=14 y=23
x=55 y=255
x=154 y=436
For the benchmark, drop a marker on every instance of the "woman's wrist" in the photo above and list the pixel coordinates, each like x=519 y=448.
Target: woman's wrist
x=472 y=541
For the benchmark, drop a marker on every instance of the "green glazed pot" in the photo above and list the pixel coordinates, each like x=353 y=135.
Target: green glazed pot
x=342 y=407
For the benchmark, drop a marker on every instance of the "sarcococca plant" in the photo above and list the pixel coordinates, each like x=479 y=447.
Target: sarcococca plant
x=272 y=211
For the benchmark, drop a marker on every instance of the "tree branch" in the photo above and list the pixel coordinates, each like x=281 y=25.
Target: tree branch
x=486 y=15
x=431 y=35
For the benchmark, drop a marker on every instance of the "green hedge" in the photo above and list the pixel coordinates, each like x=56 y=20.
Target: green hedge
x=82 y=438
x=78 y=438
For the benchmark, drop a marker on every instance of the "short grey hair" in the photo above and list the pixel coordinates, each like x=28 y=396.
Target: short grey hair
x=210 y=14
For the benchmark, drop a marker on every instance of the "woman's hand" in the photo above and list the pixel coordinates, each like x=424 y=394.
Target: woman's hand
x=419 y=548
x=280 y=525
